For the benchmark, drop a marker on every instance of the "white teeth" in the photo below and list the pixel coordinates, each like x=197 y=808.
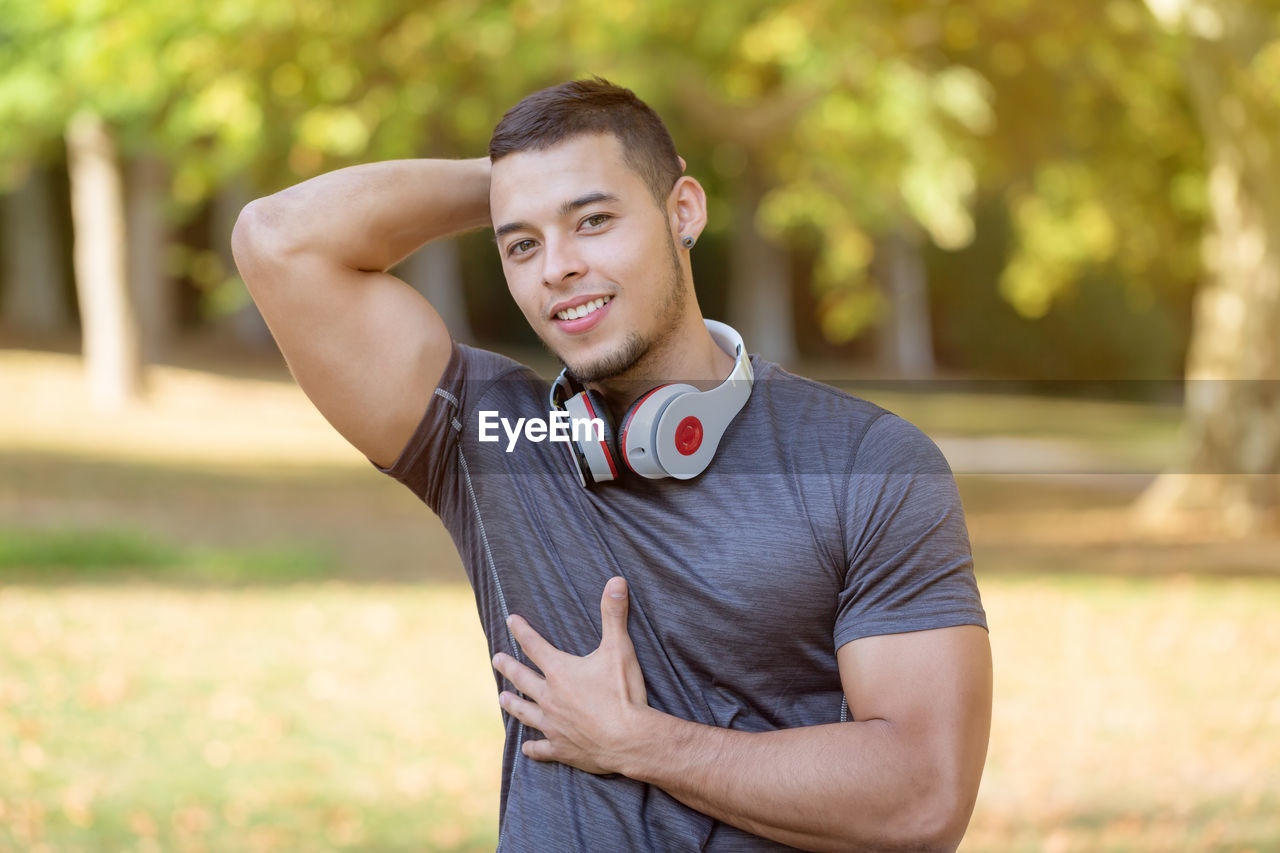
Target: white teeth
x=584 y=309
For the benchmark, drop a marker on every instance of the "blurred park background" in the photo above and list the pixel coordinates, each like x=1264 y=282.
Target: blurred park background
x=1047 y=233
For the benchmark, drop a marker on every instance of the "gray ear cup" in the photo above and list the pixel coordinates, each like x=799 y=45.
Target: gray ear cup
x=688 y=433
x=638 y=439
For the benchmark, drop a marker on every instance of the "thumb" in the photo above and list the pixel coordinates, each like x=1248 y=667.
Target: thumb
x=613 y=611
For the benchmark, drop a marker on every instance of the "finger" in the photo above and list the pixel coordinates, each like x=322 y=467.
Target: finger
x=539 y=750
x=537 y=649
x=522 y=678
x=522 y=709
x=613 y=612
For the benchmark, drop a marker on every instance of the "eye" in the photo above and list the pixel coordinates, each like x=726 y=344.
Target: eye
x=520 y=247
x=595 y=220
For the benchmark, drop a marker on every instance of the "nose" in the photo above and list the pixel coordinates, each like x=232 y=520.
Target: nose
x=562 y=261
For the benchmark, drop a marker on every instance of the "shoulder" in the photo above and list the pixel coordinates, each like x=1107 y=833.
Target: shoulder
x=783 y=391
x=833 y=421
x=474 y=376
x=893 y=445
x=478 y=364
x=473 y=379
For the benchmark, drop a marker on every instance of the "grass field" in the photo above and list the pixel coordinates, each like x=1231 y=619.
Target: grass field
x=221 y=630
x=1129 y=715
x=308 y=717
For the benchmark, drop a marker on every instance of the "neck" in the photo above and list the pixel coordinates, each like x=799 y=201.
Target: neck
x=688 y=354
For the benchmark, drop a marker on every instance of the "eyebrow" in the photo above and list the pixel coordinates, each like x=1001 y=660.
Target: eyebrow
x=565 y=209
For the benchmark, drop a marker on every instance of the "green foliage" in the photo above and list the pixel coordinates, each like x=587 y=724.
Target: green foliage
x=1097 y=152
x=1063 y=229
x=849 y=122
x=854 y=128
x=1099 y=326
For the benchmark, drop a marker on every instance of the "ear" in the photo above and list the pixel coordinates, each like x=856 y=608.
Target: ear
x=687 y=208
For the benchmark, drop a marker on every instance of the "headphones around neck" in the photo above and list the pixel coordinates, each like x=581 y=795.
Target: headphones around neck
x=672 y=431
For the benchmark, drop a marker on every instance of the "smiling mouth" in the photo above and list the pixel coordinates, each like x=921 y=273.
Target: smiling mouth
x=584 y=309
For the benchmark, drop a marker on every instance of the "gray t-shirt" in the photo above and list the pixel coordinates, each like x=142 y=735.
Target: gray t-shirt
x=822 y=519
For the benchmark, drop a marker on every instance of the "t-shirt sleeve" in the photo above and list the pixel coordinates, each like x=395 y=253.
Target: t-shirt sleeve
x=910 y=564
x=428 y=463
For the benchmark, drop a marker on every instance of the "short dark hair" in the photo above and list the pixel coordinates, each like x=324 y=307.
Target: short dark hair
x=579 y=107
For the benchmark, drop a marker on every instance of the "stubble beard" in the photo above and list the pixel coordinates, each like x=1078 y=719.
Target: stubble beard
x=635 y=348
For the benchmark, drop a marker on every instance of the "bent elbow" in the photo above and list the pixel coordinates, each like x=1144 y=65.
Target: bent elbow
x=940 y=823
x=253 y=229
x=246 y=234
x=258 y=238
x=933 y=822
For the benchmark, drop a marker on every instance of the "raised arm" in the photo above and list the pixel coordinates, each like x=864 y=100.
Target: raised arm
x=365 y=347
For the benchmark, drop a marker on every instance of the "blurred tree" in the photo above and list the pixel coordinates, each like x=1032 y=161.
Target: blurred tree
x=33 y=296
x=1095 y=152
x=824 y=129
x=385 y=79
x=97 y=71
x=112 y=346
x=435 y=271
x=904 y=342
x=872 y=149
x=33 y=276
x=1121 y=143
x=855 y=134
x=147 y=185
x=1232 y=63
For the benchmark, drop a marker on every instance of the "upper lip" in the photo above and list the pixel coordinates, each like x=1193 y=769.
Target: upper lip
x=575 y=301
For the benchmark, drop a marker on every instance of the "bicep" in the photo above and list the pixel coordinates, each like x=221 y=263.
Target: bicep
x=934 y=688
x=364 y=346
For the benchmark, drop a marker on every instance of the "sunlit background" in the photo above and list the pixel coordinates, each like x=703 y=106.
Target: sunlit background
x=1048 y=233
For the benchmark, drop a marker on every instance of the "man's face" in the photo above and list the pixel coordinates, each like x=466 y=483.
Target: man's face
x=588 y=255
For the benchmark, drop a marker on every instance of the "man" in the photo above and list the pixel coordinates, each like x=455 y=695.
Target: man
x=785 y=649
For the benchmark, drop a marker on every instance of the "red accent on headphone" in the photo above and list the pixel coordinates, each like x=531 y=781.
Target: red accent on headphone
x=689 y=436
x=608 y=454
x=626 y=422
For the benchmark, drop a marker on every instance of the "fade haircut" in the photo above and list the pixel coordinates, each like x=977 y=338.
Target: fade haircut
x=582 y=107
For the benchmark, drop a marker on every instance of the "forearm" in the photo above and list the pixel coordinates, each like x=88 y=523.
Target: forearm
x=371 y=216
x=843 y=786
x=904 y=776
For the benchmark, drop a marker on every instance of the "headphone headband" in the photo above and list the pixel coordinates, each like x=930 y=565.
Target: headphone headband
x=736 y=388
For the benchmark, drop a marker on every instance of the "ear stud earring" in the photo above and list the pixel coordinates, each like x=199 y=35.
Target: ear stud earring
x=687 y=241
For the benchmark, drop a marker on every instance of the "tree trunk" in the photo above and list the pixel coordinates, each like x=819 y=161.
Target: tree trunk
x=435 y=271
x=152 y=289
x=904 y=340
x=1233 y=365
x=112 y=347
x=760 y=283
x=34 y=283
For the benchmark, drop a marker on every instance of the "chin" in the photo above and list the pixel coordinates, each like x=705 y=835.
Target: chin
x=615 y=362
